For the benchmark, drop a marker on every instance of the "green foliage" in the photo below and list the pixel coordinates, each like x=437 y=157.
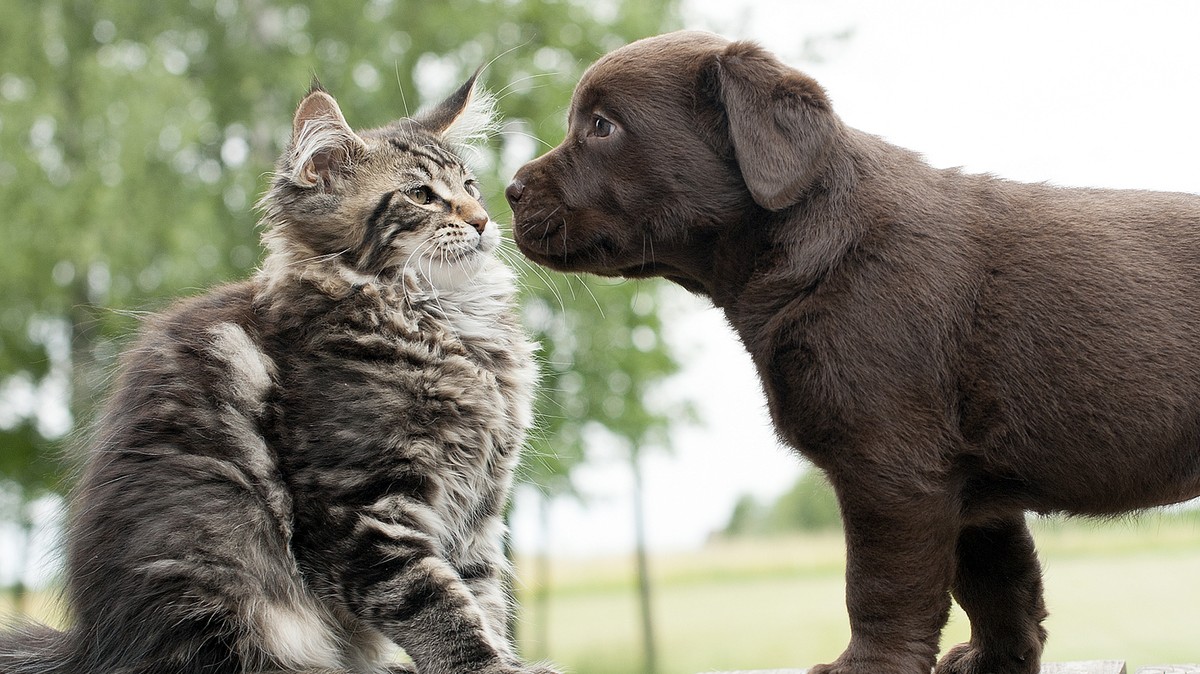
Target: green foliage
x=747 y=517
x=810 y=505
x=135 y=137
x=773 y=603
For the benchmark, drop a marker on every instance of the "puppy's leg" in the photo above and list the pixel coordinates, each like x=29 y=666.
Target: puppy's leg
x=999 y=584
x=899 y=566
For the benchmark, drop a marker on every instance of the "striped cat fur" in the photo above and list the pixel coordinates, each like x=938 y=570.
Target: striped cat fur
x=299 y=472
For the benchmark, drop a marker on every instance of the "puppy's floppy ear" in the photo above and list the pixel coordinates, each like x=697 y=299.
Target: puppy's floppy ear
x=323 y=144
x=468 y=115
x=781 y=125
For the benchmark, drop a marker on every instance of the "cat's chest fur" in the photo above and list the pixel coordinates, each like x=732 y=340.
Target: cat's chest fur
x=386 y=396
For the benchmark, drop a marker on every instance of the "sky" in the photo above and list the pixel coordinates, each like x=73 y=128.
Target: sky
x=1096 y=94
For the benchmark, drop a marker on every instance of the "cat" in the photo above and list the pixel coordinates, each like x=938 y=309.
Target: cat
x=298 y=472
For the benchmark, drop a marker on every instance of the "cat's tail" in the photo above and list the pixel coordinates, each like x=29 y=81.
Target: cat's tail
x=34 y=649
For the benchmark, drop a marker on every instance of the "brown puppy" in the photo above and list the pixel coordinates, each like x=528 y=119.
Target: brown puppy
x=952 y=350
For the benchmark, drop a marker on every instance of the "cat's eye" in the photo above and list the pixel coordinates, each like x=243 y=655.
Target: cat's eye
x=419 y=195
x=473 y=189
x=600 y=127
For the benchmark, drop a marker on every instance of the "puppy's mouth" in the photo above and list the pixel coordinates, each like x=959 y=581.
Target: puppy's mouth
x=555 y=242
x=537 y=229
x=594 y=254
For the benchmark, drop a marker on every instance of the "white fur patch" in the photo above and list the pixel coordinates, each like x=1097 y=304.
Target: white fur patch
x=250 y=368
x=316 y=136
x=474 y=306
x=431 y=526
x=478 y=121
x=355 y=277
x=370 y=651
x=298 y=637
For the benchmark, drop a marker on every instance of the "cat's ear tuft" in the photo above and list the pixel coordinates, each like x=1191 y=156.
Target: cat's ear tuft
x=323 y=144
x=466 y=117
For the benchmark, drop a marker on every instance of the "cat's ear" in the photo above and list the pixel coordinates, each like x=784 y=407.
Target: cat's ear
x=467 y=116
x=323 y=144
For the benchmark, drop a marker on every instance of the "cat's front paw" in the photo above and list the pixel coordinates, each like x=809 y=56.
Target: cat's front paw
x=509 y=668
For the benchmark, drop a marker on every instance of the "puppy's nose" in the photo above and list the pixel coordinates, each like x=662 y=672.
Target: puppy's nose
x=514 y=191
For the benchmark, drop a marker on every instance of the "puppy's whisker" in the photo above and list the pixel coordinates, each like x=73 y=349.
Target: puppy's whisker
x=546 y=222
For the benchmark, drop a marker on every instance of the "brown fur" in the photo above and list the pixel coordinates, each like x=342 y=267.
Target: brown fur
x=952 y=350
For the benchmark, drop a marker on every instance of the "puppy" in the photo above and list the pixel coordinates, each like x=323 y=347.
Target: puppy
x=952 y=350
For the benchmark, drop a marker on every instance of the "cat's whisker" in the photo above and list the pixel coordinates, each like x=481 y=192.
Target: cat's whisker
x=533 y=87
x=506 y=52
x=515 y=258
x=552 y=285
x=510 y=88
x=400 y=87
x=417 y=253
x=325 y=257
x=583 y=282
x=525 y=134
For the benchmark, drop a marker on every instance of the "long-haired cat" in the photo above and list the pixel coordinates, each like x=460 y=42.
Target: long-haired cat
x=298 y=471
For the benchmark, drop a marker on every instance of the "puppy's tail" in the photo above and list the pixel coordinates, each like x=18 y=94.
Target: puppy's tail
x=34 y=649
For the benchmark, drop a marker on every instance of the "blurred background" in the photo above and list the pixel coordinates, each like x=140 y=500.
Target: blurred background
x=658 y=527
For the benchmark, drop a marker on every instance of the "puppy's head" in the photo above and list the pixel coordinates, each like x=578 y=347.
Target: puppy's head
x=669 y=139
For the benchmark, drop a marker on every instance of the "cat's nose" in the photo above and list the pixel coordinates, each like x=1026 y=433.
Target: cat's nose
x=478 y=221
x=514 y=191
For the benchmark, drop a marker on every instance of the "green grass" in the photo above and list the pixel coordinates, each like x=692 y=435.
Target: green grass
x=1126 y=590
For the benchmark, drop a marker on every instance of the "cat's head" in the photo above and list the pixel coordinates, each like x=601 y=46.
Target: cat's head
x=367 y=203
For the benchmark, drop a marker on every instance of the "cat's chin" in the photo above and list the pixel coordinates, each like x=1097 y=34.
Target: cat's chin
x=453 y=274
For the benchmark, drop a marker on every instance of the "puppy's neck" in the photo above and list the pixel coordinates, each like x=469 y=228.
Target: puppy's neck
x=756 y=267
x=718 y=263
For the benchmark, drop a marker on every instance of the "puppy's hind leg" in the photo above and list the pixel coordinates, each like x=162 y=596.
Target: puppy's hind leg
x=998 y=583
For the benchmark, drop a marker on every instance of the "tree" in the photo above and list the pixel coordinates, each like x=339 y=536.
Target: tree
x=134 y=137
x=809 y=505
x=599 y=386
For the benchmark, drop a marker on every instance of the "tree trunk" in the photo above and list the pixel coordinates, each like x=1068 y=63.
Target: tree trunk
x=22 y=601
x=541 y=597
x=643 y=567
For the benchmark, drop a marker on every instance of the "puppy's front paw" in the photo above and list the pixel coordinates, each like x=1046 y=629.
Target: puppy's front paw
x=871 y=665
x=967 y=659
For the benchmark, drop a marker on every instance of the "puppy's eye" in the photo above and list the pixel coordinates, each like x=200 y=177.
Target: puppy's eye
x=419 y=195
x=601 y=128
x=472 y=189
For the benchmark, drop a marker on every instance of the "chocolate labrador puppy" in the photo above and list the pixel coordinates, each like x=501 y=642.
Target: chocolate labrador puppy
x=952 y=350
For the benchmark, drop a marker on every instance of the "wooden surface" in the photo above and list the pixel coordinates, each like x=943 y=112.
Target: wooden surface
x=1084 y=667
x=1081 y=667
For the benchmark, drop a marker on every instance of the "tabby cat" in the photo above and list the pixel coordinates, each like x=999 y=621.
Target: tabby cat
x=300 y=471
